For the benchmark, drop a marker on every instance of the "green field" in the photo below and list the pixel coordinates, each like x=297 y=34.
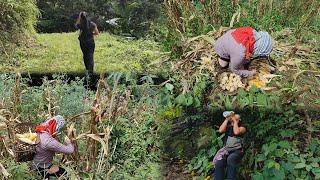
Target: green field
x=61 y=53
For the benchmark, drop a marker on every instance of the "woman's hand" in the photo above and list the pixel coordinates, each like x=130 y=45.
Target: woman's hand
x=67 y=140
x=70 y=131
x=53 y=169
x=229 y=119
x=253 y=72
x=235 y=120
x=223 y=127
x=236 y=129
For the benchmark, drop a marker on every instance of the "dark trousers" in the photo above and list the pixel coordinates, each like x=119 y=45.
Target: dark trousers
x=87 y=48
x=231 y=161
x=44 y=173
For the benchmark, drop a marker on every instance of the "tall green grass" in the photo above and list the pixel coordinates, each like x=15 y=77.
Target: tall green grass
x=61 y=53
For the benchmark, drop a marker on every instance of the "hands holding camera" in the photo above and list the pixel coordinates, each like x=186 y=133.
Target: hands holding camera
x=233 y=119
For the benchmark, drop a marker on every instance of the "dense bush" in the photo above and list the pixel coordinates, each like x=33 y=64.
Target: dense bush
x=57 y=15
x=135 y=15
x=17 y=19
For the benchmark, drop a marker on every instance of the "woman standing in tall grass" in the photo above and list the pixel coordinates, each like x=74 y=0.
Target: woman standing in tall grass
x=87 y=31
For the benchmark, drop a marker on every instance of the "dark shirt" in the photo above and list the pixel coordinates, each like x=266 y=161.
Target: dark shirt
x=86 y=30
x=229 y=131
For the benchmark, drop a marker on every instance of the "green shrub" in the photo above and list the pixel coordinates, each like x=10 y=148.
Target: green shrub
x=17 y=21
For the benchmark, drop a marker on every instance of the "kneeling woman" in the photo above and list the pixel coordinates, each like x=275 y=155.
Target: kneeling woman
x=237 y=47
x=48 y=146
x=230 y=155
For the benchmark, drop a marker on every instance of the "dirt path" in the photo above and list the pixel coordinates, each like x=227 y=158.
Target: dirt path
x=175 y=170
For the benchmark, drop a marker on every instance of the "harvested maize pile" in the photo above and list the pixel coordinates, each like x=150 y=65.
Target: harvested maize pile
x=263 y=76
x=230 y=82
x=29 y=138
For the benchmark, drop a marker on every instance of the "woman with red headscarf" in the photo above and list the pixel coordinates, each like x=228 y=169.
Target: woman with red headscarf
x=48 y=146
x=237 y=47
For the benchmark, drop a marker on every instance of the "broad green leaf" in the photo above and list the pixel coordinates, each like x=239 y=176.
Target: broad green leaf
x=199 y=163
x=308 y=168
x=197 y=102
x=284 y=144
x=271 y=164
x=169 y=86
x=277 y=166
x=316 y=172
x=189 y=100
x=181 y=99
x=314 y=164
x=257 y=176
x=260 y=158
x=300 y=166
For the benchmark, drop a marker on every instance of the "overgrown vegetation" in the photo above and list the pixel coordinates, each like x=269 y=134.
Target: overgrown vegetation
x=135 y=16
x=16 y=24
x=129 y=144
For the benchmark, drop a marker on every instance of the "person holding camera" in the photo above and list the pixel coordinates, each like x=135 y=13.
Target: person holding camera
x=88 y=30
x=230 y=155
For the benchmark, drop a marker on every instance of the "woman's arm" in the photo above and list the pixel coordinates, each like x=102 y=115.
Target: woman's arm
x=223 y=127
x=53 y=145
x=78 y=21
x=95 y=30
x=238 y=130
x=236 y=62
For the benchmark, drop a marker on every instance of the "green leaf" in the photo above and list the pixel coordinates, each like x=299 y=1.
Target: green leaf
x=284 y=144
x=277 y=166
x=271 y=164
x=260 y=158
x=300 y=166
x=287 y=133
x=197 y=102
x=257 y=176
x=198 y=165
x=316 y=172
x=169 y=86
x=189 y=100
x=181 y=99
x=273 y=146
x=295 y=159
x=287 y=166
x=279 y=174
x=308 y=168
x=315 y=165
x=262 y=100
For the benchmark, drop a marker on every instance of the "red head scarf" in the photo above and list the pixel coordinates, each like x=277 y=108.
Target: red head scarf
x=49 y=126
x=245 y=37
